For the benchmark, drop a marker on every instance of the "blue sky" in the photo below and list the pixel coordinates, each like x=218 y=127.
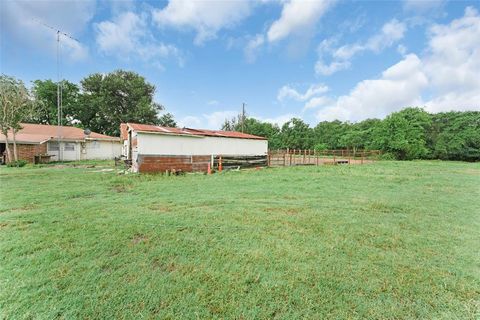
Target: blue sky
x=317 y=60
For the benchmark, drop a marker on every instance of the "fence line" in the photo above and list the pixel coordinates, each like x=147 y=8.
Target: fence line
x=292 y=157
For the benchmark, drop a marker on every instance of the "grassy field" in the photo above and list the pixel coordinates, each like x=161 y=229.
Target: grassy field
x=389 y=240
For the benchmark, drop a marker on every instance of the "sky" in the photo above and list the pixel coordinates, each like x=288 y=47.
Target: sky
x=315 y=60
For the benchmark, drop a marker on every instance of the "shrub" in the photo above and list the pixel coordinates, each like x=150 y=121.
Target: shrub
x=387 y=156
x=18 y=163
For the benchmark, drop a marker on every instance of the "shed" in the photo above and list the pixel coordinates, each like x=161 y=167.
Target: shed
x=152 y=148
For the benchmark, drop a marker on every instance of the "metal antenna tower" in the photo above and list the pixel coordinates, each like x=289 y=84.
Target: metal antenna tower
x=59 y=84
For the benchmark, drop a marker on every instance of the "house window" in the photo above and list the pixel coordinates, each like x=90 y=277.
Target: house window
x=53 y=146
x=69 y=146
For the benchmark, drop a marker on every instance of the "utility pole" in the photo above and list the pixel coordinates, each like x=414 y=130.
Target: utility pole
x=59 y=86
x=243 y=117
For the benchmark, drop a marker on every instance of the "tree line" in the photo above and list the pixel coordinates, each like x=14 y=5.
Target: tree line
x=411 y=133
x=100 y=102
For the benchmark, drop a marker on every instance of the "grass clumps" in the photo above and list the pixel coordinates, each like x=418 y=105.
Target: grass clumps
x=389 y=240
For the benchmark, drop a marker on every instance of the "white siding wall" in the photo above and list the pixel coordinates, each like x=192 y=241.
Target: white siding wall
x=67 y=155
x=159 y=144
x=92 y=150
x=102 y=149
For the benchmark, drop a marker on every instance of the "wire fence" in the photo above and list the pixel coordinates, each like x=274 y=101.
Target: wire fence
x=294 y=157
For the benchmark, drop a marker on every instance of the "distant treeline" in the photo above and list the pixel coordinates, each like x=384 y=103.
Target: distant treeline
x=411 y=133
x=101 y=102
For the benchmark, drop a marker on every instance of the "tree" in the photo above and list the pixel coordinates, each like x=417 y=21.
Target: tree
x=455 y=136
x=255 y=127
x=296 y=134
x=167 y=120
x=329 y=134
x=234 y=124
x=404 y=134
x=45 y=94
x=114 y=98
x=16 y=107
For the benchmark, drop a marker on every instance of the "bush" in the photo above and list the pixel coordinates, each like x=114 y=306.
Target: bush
x=387 y=156
x=321 y=146
x=18 y=163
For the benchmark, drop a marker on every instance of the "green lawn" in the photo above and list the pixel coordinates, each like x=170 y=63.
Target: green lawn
x=389 y=240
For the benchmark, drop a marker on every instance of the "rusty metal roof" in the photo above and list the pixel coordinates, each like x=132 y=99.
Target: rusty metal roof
x=39 y=133
x=194 y=132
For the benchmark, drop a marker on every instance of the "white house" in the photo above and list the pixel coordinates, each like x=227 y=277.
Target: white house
x=157 y=149
x=35 y=140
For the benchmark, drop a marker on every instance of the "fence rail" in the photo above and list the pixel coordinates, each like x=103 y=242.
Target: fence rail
x=294 y=157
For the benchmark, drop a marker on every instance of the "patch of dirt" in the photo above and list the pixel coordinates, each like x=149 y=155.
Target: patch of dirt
x=169 y=266
x=139 y=238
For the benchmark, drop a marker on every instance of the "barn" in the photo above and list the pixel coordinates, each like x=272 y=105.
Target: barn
x=152 y=148
x=38 y=141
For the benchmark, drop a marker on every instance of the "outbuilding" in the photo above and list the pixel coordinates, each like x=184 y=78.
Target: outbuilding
x=36 y=141
x=152 y=148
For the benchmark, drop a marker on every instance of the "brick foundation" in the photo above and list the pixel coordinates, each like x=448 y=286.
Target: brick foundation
x=157 y=163
x=28 y=151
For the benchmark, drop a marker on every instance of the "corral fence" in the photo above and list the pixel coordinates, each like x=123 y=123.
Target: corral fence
x=295 y=157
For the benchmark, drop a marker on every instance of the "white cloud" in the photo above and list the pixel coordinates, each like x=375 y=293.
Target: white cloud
x=420 y=6
x=328 y=69
x=252 y=47
x=288 y=92
x=448 y=73
x=399 y=86
x=190 y=122
x=279 y=120
x=213 y=103
x=401 y=49
x=217 y=118
x=391 y=32
x=23 y=22
x=317 y=102
x=212 y=120
x=127 y=36
x=453 y=64
x=121 y=35
x=297 y=18
x=207 y=18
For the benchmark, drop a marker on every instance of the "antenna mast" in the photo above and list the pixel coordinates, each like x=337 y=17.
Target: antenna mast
x=59 y=85
x=243 y=117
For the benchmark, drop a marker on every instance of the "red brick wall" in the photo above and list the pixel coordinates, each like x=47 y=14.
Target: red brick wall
x=157 y=163
x=28 y=151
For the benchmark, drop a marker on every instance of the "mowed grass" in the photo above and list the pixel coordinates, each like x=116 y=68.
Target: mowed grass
x=389 y=240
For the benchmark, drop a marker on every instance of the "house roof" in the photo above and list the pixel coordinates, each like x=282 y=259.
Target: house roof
x=39 y=133
x=190 y=131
